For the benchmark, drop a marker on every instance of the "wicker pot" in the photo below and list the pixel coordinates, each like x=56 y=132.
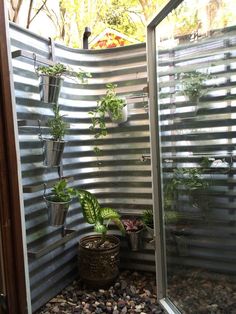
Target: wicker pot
x=49 y=88
x=57 y=211
x=52 y=152
x=98 y=268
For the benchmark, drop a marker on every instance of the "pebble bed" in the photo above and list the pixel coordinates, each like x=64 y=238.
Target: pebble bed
x=132 y=292
x=192 y=290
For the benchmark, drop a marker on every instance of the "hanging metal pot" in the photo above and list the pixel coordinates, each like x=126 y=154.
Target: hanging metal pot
x=52 y=152
x=135 y=240
x=57 y=211
x=124 y=115
x=49 y=88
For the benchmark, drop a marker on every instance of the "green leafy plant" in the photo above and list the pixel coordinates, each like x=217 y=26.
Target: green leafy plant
x=57 y=127
x=96 y=215
x=61 y=192
x=59 y=70
x=188 y=179
x=111 y=105
x=193 y=84
x=132 y=225
x=147 y=218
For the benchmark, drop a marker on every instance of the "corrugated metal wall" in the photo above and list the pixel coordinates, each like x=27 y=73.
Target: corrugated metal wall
x=192 y=130
x=120 y=179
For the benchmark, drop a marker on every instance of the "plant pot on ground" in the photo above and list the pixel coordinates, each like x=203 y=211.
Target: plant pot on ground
x=98 y=254
x=53 y=147
x=147 y=219
x=133 y=228
x=58 y=202
x=51 y=79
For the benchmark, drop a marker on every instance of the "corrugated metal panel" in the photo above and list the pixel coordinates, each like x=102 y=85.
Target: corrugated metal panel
x=120 y=179
x=190 y=131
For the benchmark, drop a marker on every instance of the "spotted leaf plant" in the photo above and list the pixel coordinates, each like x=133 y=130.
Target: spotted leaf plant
x=98 y=216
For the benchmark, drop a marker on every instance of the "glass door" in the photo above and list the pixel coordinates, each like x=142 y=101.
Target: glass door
x=192 y=79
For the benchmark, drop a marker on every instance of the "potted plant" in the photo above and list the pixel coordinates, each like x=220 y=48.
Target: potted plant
x=133 y=228
x=110 y=105
x=51 y=79
x=58 y=202
x=147 y=219
x=193 y=84
x=98 y=254
x=53 y=147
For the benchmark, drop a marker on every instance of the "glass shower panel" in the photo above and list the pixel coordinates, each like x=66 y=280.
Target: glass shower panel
x=196 y=70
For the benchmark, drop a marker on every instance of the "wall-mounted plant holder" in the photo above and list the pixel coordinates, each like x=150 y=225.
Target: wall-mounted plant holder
x=124 y=115
x=49 y=88
x=57 y=211
x=134 y=240
x=52 y=152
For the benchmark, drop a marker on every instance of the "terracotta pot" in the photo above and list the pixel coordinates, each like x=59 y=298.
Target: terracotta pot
x=98 y=267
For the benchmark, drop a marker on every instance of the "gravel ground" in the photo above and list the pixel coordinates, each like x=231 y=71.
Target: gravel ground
x=132 y=292
x=193 y=290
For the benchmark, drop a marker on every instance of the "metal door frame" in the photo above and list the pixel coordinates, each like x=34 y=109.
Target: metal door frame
x=160 y=247
x=14 y=265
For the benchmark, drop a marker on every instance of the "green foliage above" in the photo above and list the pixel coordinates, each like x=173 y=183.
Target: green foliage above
x=61 y=192
x=57 y=127
x=59 y=70
x=96 y=215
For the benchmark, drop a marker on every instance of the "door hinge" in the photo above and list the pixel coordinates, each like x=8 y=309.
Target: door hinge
x=3 y=302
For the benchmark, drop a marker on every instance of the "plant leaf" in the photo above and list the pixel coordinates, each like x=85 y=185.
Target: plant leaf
x=119 y=224
x=108 y=213
x=100 y=228
x=90 y=206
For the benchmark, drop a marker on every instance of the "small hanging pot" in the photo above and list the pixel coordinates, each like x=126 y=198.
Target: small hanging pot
x=52 y=152
x=135 y=240
x=124 y=115
x=57 y=211
x=49 y=88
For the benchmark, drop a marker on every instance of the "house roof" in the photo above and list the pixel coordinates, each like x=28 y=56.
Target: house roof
x=111 y=38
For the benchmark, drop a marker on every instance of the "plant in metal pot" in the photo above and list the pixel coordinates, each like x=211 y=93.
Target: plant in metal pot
x=194 y=84
x=147 y=219
x=51 y=79
x=98 y=254
x=53 y=147
x=58 y=202
x=133 y=228
x=110 y=105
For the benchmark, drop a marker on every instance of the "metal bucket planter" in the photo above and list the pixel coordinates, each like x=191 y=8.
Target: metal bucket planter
x=135 y=240
x=57 y=211
x=98 y=267
x=124 y=117
x=52 y=152
x=49 y=88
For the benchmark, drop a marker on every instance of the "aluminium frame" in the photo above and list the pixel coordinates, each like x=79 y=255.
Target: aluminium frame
x=160 y=247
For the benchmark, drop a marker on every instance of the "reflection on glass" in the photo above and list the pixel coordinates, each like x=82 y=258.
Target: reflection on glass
x=196 y=47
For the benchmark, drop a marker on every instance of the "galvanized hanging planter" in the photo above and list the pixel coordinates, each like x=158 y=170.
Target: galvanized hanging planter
x=52 y=152
x=124 y=116
x=49 y=88
x=57 y=211
x=135 y=240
